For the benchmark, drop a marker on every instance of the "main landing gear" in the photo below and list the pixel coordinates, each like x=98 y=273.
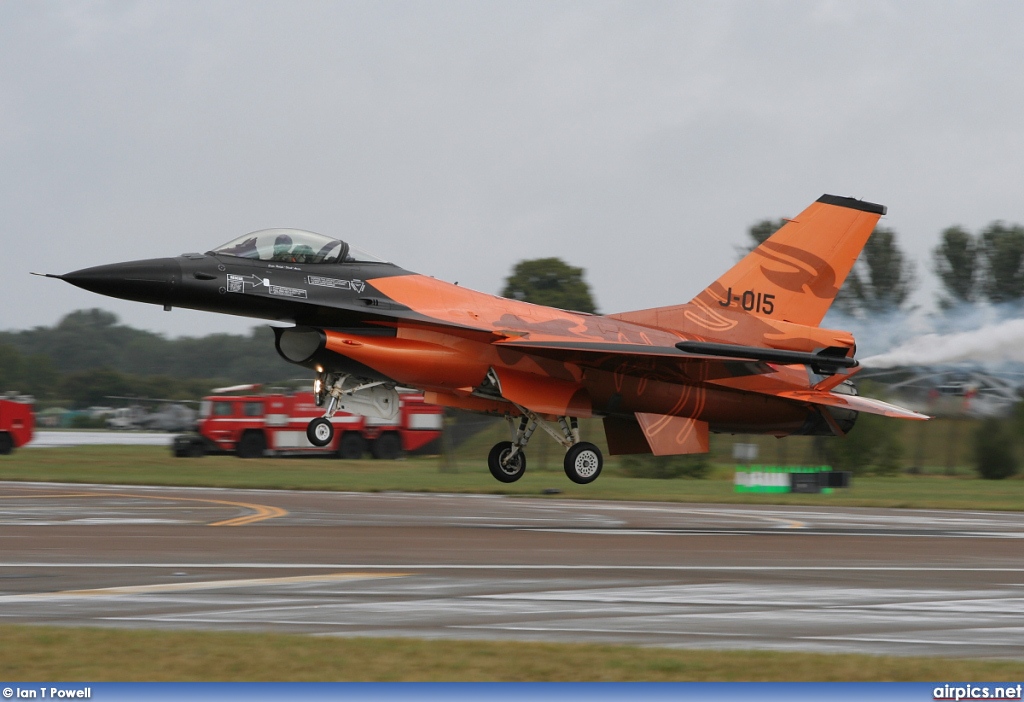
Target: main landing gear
x=507 y=460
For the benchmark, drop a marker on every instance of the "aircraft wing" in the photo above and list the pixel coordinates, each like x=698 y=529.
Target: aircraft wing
x=661 y=362
x=672 y=363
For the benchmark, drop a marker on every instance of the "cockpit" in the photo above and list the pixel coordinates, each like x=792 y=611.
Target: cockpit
x=294 y=246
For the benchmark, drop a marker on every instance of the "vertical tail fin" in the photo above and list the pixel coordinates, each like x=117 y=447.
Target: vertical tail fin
x=794 y=275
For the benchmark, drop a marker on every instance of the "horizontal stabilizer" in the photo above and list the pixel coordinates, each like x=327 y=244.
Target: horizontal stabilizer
x=851 y=402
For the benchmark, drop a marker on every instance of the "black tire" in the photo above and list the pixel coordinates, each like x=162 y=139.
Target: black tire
x=6 y=443
x=352 y=446
x=510 y=472
x=387 y=446
x=188 y=447
x=251 y=445
x=320 y=432
x=583 y=463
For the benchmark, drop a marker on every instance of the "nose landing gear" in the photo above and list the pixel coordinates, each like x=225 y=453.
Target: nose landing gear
x=320 y=431
x=583 y=460
x=371 y=398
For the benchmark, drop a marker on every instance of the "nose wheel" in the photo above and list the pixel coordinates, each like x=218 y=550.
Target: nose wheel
x=320 y=431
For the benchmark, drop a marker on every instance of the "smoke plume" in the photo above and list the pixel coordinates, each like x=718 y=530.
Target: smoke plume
x=992 y=343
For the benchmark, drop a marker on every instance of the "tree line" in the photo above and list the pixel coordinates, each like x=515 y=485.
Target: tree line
x=89 y=356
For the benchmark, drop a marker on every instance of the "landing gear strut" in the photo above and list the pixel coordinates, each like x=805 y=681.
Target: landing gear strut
x=368 y=397
x=507 y=460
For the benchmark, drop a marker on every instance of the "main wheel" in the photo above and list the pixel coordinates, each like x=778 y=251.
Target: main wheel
x=387 y=446
x=583 y=463
x=506 y=472
x=351 y=446
x=6 y=443
x=251 y=445
x=320 y=431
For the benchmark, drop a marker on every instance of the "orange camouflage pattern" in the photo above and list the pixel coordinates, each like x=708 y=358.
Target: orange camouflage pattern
x=478 y=351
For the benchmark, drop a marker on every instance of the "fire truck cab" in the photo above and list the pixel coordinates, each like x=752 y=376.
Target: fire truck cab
x=275 y=424
x=16 y=421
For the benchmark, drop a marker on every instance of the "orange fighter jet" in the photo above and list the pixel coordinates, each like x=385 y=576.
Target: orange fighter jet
x=746 y=355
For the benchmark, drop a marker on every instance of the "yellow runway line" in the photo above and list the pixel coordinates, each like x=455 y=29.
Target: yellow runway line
x=262 y=512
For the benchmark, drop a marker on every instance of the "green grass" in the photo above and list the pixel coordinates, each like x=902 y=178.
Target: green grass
x=73 y=654
x=149 y=465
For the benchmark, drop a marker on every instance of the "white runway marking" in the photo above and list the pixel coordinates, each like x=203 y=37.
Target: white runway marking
x=203 y=585
x=802 y=530
x=531 y=566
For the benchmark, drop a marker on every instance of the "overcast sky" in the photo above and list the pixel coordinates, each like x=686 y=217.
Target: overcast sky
x=638 y=140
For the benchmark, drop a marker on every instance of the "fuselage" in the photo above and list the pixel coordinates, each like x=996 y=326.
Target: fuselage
x=377 y=320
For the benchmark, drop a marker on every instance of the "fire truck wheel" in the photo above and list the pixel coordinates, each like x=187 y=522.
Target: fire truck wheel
x=387 y=447
x=251 y=445
x=320 y=431
x=352 y=446
x=6 y=443
x=195 y=449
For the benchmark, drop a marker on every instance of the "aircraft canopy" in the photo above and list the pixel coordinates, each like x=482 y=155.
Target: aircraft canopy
x=293 y=246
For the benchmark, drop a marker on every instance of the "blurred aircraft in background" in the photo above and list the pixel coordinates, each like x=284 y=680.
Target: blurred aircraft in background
x=746 y=355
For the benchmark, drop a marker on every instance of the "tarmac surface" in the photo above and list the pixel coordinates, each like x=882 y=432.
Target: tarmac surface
x=900 y=582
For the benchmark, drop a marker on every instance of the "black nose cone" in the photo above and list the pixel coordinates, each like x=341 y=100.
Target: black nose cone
x=156 y=280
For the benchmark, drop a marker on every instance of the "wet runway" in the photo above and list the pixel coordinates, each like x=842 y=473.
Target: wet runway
x=905 y=582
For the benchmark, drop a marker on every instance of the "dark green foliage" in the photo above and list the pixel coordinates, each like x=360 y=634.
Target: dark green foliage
x=957 y=260
x=987 y=266
x=1003 y=249
x=995 y=450
x=27 y=374
x=696 y=465
x=872 y=446
x=84 y=421
x=551 y=282
x=88 y=357
x=882 y=279
x=93 y=339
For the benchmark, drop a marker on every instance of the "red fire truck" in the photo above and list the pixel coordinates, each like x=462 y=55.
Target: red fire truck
x=16 y=421
x=275 y=424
